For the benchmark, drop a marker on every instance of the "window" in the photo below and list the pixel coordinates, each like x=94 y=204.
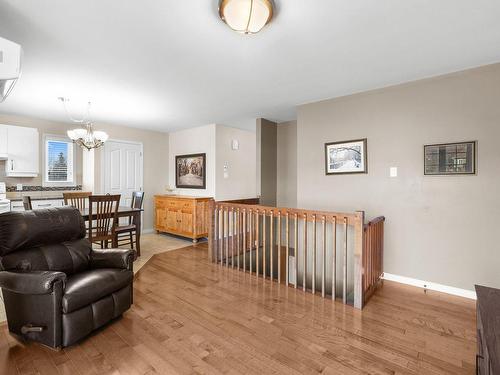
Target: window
x=58 y=161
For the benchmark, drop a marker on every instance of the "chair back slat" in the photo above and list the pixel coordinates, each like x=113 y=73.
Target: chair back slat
x=137 y=201
x=103 y=211
x=77 y=199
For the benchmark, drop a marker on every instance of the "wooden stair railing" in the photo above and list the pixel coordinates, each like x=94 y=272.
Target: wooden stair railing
x=260 y=240
x=373 y=256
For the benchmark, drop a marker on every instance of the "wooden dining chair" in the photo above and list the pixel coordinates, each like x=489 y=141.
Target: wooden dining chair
x=77 y=199
x=126 y=235
x=103 y=219
x=27 y=203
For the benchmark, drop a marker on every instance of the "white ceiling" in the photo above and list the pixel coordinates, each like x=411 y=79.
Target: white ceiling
x=171 y=64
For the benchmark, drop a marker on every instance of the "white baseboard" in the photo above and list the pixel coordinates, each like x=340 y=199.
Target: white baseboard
x=431 y=286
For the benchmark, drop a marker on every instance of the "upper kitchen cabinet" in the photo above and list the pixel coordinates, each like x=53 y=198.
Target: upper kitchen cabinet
x=22 y=151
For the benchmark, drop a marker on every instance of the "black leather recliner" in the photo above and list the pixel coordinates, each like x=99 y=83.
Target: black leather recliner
x=56 y=288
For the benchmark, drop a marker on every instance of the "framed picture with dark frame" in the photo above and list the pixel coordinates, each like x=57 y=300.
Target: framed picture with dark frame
x=190 y=171
x=346 y=157
x=447 y=159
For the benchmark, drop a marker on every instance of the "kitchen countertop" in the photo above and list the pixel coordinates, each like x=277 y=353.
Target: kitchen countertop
x=35 y=195
x=36 y=198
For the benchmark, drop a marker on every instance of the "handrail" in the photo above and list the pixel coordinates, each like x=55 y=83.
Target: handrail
x=352 y=217
x=375 y=221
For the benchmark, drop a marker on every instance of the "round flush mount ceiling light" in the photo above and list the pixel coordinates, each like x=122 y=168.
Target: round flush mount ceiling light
x=246 y=16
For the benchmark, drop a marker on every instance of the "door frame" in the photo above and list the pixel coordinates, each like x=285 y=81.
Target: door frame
x=103 y=162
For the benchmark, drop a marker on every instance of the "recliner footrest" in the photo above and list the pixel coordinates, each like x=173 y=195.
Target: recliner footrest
x=78 y=324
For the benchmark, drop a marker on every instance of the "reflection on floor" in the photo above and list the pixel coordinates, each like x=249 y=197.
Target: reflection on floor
x=193 y=317
x=150 y=244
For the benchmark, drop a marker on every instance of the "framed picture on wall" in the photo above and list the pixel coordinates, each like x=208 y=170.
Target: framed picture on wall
x=346 y=157
x=450 y=158
x=190 y=171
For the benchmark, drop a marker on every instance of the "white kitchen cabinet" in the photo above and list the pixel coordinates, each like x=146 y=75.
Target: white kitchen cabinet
x=16 y=206
x=37 y=204
x=23 y=152
x=3 y=142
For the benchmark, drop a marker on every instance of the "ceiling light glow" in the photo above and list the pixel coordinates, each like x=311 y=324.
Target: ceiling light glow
x=246 y=16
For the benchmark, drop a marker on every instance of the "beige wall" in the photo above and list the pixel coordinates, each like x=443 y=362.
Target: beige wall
x=240 y=181
x=286 y=184
x=266 y=161
x=194 y=141
x=155 y=146
x=215 y=141
x=439 y=229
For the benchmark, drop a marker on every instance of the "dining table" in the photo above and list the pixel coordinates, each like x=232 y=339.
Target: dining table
x=124 y=211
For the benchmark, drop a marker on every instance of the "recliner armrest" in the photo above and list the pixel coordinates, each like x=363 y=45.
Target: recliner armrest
x=31 y=282
x=112 y=258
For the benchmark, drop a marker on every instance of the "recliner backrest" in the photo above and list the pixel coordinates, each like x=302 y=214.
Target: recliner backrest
x=51 y=239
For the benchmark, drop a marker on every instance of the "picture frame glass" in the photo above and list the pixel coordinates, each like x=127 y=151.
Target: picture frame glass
x=450 y=158
x=190 y=171
x=346 y=157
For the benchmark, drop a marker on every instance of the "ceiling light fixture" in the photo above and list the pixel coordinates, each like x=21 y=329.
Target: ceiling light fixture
x=246 y=16
x=86 y=137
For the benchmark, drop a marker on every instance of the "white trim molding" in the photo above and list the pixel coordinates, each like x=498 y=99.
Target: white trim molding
x=431 y=286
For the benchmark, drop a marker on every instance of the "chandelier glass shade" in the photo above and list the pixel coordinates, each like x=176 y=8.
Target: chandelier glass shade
x=87 y=138
x=246 y=16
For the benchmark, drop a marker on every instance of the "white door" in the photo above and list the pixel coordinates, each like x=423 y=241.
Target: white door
x=122 y=169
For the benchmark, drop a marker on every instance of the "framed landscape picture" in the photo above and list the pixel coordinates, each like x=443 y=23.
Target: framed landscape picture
x=346 y=157
x=450 y=158
x=190 y=171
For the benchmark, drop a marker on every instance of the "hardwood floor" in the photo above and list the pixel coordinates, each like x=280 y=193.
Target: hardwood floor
x=193 y=317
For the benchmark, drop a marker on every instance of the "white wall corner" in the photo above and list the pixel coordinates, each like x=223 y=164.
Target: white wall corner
x=431 y=286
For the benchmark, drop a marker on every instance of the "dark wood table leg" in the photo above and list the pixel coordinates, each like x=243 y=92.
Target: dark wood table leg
x=114 y=241
x=138 y=233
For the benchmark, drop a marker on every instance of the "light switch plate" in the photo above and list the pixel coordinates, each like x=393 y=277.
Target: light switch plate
x=393 y=171
x=235 y=145
x=19 y=187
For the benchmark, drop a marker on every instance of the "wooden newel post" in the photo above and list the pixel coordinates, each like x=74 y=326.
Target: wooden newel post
x=212 y=236
x=358 y=259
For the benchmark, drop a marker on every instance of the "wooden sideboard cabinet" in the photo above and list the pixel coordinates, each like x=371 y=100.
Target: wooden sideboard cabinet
x=488 y=331
x=182 y=215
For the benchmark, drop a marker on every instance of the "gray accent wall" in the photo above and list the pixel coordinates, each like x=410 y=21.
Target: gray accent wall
x=286 y=194
x=438 y=228
x=267 y=145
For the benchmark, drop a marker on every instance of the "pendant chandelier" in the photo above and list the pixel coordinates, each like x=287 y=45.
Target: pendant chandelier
x=246 y=16
x=85 y=136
